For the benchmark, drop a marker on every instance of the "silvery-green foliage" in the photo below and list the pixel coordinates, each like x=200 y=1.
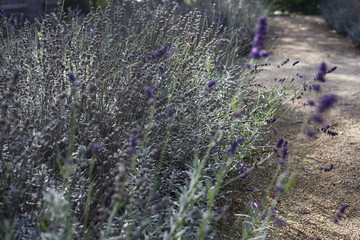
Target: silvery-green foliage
x=71 y=82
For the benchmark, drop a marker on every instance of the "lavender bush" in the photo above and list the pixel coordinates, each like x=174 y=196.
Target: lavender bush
x=117 y=125
x=343 y=16
x=125 y=123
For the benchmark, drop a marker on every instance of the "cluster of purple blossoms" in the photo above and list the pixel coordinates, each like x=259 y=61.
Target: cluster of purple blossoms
x=161 y=69
x=149 y=92
x=328 y=169
x=322 y=105
x=158 y=53
x=340 y=213
x=281 y=149
x=170 y=111
x=324 y=102
x=279 y=222
x=283 y=63
x=326 y=130
x=133 y=142
x=296 y=62
x=315 y=87
x=259 y=39
x=95 y=148
x=233 y=146
x=242 y=170
x=331 y=69
x=72 y=79
x=271 y=120
x=209 y=85
x=320 y=76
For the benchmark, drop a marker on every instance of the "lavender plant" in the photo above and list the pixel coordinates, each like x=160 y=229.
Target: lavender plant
x=121 y=124
x=343 y=16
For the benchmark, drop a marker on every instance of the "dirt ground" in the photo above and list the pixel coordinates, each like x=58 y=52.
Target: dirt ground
x=310 y=206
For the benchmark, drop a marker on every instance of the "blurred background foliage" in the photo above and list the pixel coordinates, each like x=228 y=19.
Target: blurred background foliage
x=84 y=5
x=342 y=15
x=290 y=6
x=296 y=6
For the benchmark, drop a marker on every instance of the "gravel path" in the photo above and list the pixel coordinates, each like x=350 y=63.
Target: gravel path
x=309 y=208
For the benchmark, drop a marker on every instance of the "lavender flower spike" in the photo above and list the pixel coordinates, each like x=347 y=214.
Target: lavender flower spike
x=259 y=39
x=95 y=148
x=233 y=146
x=210 y=84
x=149 y=92
x=331 y=69
x=133 y=142
x=343 y=207
x=316 y=87
x=321 y=72
x=279 y=142
x=72 y=79
x=296 y=62
x=326 y=102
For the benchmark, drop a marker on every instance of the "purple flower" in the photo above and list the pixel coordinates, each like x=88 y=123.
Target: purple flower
x=72 y=79
x=279 y=222
x=170 y=111
x=341 y=211
x=259 y=39
x=283 y=152
x=255 y=52
x=279 y=142
x=158 y=53
x=316 y=117
x=133 y=142
x=332 y=133
x=161 y=69
x=233 y=146
x=321 y=72
x=149 y=92
x=242 y=170
x=296 y=62
x=263 y=53
x=328 y=169
x=270 y=120
x=331 y=70
x=279 y=189
x=316 y=87
x=95 y=148
x=342 y=208
x=326 y=102
x=210 y=84
x=326 y=127
x=247 y=65
x=310 y=103
x=284 y=62
x=310 y=133
x=299 y=75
